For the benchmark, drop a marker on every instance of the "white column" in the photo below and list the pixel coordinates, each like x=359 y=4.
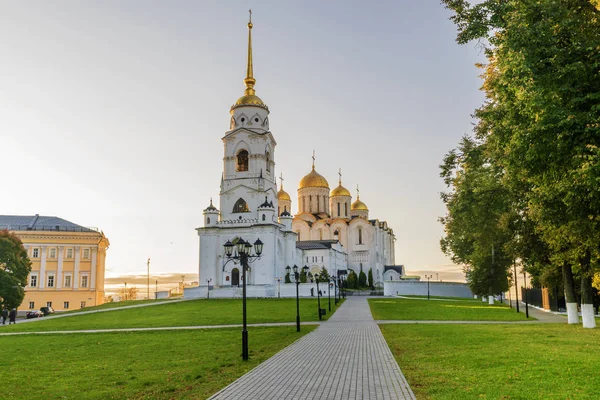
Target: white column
x=93 y=273
x=42 y=278
x=76 y=268
x=59 y=277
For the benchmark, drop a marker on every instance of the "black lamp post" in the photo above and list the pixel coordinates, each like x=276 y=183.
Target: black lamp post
x=316 y=276
x=243 y=250
x=208 y=281
x=329 y=294
x=278 y=287
x=297 y=278
x=335 y=290
x=428 y=278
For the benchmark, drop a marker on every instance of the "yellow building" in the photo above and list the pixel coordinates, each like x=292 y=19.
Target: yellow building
x=67 y=262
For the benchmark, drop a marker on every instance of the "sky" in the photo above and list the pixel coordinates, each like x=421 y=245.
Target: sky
x=112 y=113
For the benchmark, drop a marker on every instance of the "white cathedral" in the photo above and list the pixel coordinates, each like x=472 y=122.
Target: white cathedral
x=328 y=230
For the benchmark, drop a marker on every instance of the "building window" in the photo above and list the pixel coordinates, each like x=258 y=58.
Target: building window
x=345 y=209
x=69 y=253
x=82 y=304
x=207 y=220
x=360 y=236
x=52 y=253
x=339 y=209
x=33 y=281
x=264 y=217
x=86 y=254
x=50 y=281
x=241 y=206
x=320 y=234
x=66 y=305
x=35 y=253
x=310 y=207
x=67 y=280
x=48 y=304
x=84 y=281
x=298 y=233
x=31 y=305
x=321 y=258
x=242 y=161
x=268 y=155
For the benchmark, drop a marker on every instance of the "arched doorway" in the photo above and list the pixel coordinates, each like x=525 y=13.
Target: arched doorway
x=235 y=277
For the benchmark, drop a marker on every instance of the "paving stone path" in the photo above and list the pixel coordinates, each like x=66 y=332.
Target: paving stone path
x=344 y=358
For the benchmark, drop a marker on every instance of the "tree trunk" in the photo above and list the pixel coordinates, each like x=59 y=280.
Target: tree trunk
x=572 y=316
x=587 y=293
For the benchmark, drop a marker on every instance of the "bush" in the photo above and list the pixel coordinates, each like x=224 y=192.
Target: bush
x=370 y=278
x=362 y=279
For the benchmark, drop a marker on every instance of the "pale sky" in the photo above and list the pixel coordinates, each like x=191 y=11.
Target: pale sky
x=112 y=113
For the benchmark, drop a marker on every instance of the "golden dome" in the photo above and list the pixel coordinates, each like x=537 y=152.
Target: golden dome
x=282 y=195
x=359 y=206
x=313 y=179
x=340 y=191
x=250 y=100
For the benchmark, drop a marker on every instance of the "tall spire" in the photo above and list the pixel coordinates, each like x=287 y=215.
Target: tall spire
x=313 y=157
x=249 y=81
x=340 y=174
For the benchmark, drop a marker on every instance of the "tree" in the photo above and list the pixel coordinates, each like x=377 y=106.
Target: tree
x=370 y=279
x=362 y=279
x=542 y=122
x=303 y=277
x=324 y=275
x=352 y=280
x=287 y=278
x=129 y=293
x=14 y=269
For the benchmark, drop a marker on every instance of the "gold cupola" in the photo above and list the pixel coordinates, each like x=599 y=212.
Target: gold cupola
x=282 y=194
x=358 y=205
x=249 y=98
x=313 y=179
x=340 y=190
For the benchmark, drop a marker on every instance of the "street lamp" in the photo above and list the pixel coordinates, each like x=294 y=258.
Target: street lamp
x=329 y=294
x=148 y=293
x=428 y=278
x=297 y=278
x=278 y=287
x=335 y=290
x=244 y=256
x=208 y=281
x=316 y=276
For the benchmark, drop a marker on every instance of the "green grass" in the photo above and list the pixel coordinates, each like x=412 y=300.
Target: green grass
x=442 y=298
x=136 y=365
x=186 y=313
x=550 y=361
x=115 y=304
x=409 y=309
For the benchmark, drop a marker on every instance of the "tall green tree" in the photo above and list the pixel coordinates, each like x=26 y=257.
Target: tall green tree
x=476 y=205
x=14 y=269
x=370 y=278
x=362 y=279
x=541 y=117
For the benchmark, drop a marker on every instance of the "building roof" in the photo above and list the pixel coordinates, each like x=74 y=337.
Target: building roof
x=39 y=223
x=398 y=268
x=315 y=244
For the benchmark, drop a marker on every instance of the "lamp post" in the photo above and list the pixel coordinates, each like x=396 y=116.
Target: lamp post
x=428 y=278
x=335 y=290
x=278 y=287
x=243 y=255
x=525 y=285
x=126 y=291
x=148 y=292
x=297 y=278
x=316 y=276
x=329 y=294
x=208 y=281
x=156 y=291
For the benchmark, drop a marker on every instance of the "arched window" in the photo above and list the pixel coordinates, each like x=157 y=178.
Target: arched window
x=320 y=234
x=208 y=220
x=345 y=209
x=338 y=209
x=359 y=235
x=268 y=156
x=310 y=207
x=240 y=206
x=242 y=161
x=264 y=217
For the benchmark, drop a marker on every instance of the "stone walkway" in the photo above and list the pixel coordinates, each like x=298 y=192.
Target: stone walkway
x=344 y=358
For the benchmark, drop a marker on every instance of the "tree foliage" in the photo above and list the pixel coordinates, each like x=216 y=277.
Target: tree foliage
x=540 y=125
x=14 y=269
x=370 y=278
x=362 y=279
x=352 y=280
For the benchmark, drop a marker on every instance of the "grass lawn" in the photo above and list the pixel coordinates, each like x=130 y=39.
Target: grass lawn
x=136 y=365
x=115 y=304
x=409 y=309
x=550 y=361
x=441 y=298
x=185 y=313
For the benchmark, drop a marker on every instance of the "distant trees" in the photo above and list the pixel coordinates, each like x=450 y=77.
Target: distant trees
x=14 y=269
x=128 y=293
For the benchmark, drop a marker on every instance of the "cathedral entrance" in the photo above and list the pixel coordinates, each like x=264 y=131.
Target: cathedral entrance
x=235 y=277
